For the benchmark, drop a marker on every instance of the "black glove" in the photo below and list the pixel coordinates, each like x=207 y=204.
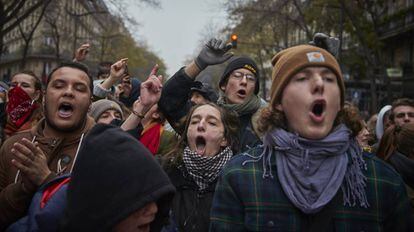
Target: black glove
x=214 y=52
x=331 y=44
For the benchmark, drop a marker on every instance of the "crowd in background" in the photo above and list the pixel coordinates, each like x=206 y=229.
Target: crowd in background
x=111 y=153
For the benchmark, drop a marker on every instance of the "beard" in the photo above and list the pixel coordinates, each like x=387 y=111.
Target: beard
x=76 y=126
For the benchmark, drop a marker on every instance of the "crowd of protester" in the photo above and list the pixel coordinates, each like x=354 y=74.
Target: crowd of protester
x=112 y=153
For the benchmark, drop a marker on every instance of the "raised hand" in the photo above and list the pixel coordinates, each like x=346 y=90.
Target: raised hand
x=150 y=94
x=31 y=161
x=81 y=52
x=118 y=69
x=151 y=88
x=117 y=72
x=214 y=52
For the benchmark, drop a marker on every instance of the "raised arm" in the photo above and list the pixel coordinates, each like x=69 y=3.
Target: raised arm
x=174 y=102
x=150 y=95
x=81 y=52
x=117 y=71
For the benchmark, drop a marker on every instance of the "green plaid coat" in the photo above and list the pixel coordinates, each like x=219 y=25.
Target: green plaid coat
x=245 y=201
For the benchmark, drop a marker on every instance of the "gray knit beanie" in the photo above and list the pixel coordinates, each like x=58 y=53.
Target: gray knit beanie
x=99 y=107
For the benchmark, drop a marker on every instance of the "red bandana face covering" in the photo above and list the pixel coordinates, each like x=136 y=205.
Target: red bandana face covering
x=20 y=106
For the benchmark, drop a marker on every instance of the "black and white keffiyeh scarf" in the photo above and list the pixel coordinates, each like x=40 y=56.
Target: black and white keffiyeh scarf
x=204 y=170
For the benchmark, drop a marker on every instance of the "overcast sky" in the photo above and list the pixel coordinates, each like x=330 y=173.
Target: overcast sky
x=174 y=32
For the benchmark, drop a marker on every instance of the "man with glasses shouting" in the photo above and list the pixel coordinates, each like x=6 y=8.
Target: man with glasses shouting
x=239 y=86
x=402 y=111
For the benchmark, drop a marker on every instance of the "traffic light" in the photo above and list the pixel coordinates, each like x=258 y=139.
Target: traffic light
x=233 y=38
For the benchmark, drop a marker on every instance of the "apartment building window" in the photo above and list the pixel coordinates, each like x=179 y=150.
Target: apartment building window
x=48 y=40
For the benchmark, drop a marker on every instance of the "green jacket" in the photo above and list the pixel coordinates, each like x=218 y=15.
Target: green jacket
x=246 y=201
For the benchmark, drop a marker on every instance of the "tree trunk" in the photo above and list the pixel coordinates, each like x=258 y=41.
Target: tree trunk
x=24 y=55
x=27 y=39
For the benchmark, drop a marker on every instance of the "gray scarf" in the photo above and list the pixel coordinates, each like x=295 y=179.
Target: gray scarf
x=202 y=169
x=311 y=171
x=251 y=105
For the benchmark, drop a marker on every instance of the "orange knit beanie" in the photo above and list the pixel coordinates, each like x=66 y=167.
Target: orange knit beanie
x=290 y=61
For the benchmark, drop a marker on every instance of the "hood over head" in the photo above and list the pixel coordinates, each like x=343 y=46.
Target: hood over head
x=113 y=177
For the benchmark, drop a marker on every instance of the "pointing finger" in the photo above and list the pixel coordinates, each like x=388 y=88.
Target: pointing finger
x=154 y=70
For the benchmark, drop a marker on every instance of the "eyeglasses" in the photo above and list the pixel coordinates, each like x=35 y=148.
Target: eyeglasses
x=239 y=76
x=402 y=115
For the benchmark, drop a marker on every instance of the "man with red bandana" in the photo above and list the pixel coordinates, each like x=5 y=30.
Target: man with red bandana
x=29 y=159
x=24 y=103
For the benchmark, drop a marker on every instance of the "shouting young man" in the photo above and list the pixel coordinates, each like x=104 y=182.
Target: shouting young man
x=310 y=174
x=29 y=159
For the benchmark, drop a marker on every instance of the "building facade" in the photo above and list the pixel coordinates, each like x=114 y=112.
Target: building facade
x=65 y=25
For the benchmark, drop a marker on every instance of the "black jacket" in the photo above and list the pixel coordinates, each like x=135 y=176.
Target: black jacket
x=190 y=207
x=175 y=105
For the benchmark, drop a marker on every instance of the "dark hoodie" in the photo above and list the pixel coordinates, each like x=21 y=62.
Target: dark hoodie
x=114 y=176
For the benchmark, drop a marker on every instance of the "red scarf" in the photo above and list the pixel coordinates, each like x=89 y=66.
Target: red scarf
x=19 y=107
x=151 y=136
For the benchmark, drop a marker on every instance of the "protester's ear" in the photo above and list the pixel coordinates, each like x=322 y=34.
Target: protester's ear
x=223 y=88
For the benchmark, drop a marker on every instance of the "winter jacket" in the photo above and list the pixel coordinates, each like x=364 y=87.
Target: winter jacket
x=190 y=207
x=245 y=200
x=175 y=105
x=46 y=208
x=14 y=200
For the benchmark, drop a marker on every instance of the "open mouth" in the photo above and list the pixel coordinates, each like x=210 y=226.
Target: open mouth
x=318 y=108
x=65 y=110
x=200 y=145
x=241 y=93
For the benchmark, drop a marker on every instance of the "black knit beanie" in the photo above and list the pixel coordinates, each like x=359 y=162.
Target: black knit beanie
x=114 y=176
x=205 y=90
x=241 y=62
